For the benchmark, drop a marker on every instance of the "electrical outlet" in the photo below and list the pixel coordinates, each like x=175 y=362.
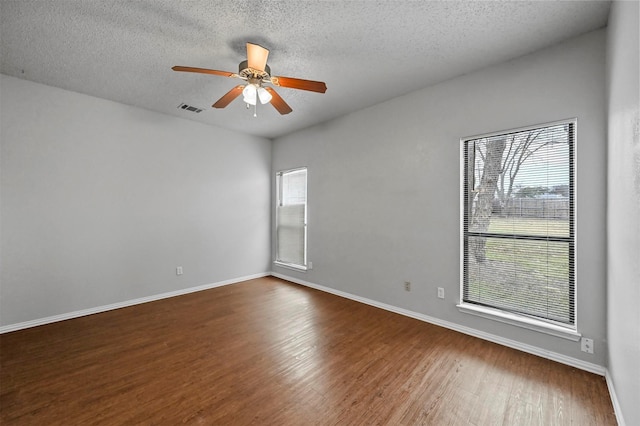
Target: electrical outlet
x=586 y=345
x=309 y=265
x=407 y=286
x=440 y=293
x=178 y=270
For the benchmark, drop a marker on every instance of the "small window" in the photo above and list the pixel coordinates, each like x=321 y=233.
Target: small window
x=291 y=219
x=518 y=254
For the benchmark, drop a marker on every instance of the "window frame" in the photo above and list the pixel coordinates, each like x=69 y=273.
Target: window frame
x=303 y=267
x=567 y=331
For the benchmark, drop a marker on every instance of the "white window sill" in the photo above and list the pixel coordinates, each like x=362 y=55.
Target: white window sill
x=299 y=268
x=520 y=321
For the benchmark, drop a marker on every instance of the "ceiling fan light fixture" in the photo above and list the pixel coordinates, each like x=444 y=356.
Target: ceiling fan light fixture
x=265 y=97
x=250 y=94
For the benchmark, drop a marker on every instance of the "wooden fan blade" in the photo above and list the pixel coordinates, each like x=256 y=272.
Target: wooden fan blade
x=203 y=71
x=298 y=83
x=228 y=97
x=278 y=103
x=257 y=56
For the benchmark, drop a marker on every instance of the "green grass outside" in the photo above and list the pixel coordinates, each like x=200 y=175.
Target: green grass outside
x=529 y=226
x=520 y=272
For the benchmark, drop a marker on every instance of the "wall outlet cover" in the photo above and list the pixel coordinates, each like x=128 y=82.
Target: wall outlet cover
x=586 y=345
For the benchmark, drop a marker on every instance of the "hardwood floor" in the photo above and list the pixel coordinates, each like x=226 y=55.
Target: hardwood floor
x=268 y=352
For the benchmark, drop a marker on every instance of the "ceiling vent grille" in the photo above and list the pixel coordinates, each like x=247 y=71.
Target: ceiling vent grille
x=190 y=108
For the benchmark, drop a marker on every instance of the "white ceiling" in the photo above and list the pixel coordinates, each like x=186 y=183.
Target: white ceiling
x=365 y=51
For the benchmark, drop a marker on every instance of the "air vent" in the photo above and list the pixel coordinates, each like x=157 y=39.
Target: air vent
x=190 y=108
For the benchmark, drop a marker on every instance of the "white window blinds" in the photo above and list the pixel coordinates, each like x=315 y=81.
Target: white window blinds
x=518 y=222
x=291 y=218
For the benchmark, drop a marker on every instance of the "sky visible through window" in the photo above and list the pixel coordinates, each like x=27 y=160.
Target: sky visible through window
x=545 y=166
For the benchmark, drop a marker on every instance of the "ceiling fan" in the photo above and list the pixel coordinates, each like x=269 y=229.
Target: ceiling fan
x=255 y=72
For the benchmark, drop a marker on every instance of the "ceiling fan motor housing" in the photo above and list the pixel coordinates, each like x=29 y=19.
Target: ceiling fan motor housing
x=250 y=73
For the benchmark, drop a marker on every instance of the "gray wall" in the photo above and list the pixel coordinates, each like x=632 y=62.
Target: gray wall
x=384 y=186
x=623 y=223
x=101 y=202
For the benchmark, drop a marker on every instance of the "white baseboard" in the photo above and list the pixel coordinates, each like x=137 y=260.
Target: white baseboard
x=554 y=356
x=614 y=399
x=104 y=308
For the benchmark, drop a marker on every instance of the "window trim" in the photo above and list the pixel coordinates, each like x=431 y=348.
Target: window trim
x=292 y=266
x=304 y=267
x=523 y=321
x=566 y=331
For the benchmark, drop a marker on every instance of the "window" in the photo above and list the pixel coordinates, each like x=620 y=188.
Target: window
x=518 y=238
x=291 y=219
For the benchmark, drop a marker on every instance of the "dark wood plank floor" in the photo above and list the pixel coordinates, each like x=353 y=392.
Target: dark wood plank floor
x=268 y=352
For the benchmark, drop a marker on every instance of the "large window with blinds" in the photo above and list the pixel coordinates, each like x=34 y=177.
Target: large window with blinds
x=518 y=239
x=291 y=218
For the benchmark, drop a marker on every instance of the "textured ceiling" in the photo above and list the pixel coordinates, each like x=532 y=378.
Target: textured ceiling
x=366 y=51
